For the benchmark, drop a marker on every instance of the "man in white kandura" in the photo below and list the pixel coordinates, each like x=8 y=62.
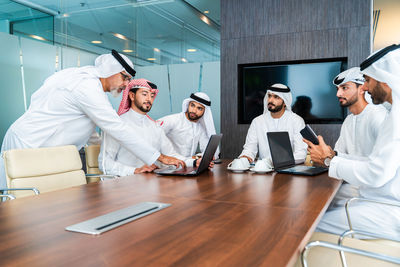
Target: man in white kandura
x=69 y=105
x=192 y=127
x=137 y=101
x=378 y=175
x=360 y=128
x=277 y=116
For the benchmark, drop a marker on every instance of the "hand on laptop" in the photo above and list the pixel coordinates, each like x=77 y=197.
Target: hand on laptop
x=319 y=152
x=171 y=161
x=145 y=168
x=210 y=166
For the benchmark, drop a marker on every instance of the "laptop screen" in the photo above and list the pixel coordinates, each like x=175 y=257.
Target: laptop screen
x=281 y=149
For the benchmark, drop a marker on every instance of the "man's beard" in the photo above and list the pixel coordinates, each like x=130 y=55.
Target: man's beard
x=142 y=107
x=349 y=102
x=115 y=92
x=193 y=117
x=272 y=108
x=378 y=95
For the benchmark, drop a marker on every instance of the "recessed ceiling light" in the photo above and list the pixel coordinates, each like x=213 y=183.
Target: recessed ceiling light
x=65 y=15
x=120 y=36
x=184 y=59
x=205 y=19
x=206 y=12
x=192 y=50
x=127 y=50
x=37 y=37
x=96 y=42
x=151 y=58
x=156 y=50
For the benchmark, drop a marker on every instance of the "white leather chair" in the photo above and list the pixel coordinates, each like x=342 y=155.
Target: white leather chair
x=92 y=164
x=330 y=250
x=42 y=169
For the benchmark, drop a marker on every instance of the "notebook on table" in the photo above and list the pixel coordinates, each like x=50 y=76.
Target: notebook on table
x=282 y=156
x=208 y=154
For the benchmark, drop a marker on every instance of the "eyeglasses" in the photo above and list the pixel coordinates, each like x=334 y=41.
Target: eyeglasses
x=126 y=77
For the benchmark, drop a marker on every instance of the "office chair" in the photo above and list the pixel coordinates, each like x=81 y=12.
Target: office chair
x=33 y=170
x=92 y=164
x=329 y=250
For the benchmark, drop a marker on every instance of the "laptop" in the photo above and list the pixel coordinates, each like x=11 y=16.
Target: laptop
x=208 y=155
x=282 y=156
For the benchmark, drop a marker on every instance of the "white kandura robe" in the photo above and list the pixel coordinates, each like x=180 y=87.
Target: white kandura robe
x=117 y=160
x=356 y=141
x=256 y=139
x=378 y=177
x=65 y=111
x=184 y=134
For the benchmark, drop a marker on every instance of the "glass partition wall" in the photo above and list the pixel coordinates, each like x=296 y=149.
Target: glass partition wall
x=173 y=43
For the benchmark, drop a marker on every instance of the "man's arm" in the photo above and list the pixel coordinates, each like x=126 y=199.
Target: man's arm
x=250 y=147
x=168 y=149
x=299 y=147
x=107 y=158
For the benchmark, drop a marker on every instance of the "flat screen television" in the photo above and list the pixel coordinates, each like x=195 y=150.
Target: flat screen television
x=314 y=95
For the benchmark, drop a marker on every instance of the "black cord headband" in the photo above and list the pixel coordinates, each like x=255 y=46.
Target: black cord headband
x=121 y=61
x=201 y=100
x=278 y=89
x=369 y=61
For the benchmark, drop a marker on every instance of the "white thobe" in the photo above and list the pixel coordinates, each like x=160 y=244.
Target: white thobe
x=378 y=177
x=117 y=160
x=184 y=134
x=65 y=111
x=256 y=139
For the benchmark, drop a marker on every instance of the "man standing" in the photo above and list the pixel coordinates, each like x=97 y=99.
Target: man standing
x=277 y=116
x=378 y=176
x=192 y=127
x=69 y=105
x=137 y=101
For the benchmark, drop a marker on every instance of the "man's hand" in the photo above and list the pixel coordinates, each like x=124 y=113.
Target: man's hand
x=145 y=168
x=248 y=158
x=171 y=161
x=210 y=166
x=319 y=152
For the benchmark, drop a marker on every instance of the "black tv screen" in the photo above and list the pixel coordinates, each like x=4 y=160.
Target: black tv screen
x=314 y=95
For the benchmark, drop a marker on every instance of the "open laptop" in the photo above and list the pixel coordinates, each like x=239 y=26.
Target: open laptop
x=205 y=161
x=282 y=156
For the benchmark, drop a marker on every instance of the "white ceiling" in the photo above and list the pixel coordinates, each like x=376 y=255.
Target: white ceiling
x=159 y=29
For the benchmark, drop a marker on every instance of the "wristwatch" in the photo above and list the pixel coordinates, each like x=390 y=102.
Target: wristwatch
x=327 y=160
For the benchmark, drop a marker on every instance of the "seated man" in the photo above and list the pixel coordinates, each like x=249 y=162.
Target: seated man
x=378 y=175
x=192 y=127
x=137 y=100
x=358 y=133
x=277 y=117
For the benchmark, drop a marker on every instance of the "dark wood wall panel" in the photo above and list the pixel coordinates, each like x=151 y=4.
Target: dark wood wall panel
x=255 y=31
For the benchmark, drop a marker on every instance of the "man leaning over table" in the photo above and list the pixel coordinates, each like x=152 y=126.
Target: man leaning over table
x=67 y=107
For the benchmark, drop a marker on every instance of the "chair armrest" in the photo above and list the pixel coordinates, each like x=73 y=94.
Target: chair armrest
x=378 y=256
x=35 y=190
x=348 y=202
x=11 y=197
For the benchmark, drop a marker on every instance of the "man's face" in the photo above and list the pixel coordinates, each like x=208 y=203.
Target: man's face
x=195 y=111
x=117 y=82
x=375 y=89
x=143 y=99
x=275 y=103
x=347 y=94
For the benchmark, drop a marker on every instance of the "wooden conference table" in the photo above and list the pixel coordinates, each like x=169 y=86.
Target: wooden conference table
x=217 y=218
